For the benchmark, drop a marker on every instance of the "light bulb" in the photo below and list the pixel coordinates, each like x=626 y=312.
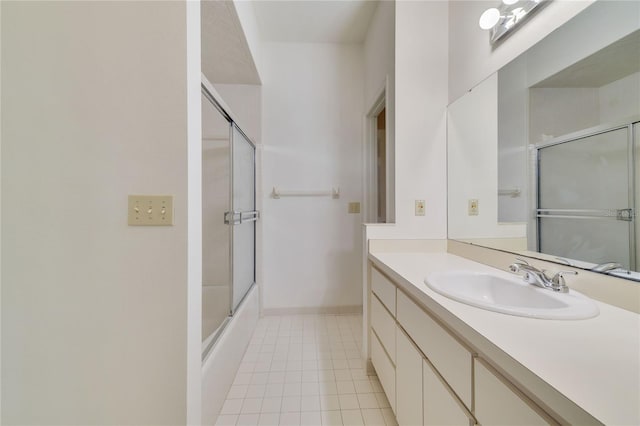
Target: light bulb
x=510 y=2
x=489 y=18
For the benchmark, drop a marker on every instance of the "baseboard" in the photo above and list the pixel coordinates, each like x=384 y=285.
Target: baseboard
x=327 y=310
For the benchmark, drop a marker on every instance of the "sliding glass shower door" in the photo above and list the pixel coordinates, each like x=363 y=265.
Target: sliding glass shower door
x=228 y=218
x=243 y=215
x=216 y=235
x=586 y=198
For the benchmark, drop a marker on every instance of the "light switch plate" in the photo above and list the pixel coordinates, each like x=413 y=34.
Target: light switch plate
x=150 y=210
x=419 y=207
x=474 y=208
x=354 y=207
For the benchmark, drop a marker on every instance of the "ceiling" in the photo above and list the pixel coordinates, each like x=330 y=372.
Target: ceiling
x=314 y=21
x=226 y=57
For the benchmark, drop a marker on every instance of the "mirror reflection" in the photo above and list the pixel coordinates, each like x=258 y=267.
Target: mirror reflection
x=543 y=154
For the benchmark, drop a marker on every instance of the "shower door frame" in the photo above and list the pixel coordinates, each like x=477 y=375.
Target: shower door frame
x=536 y=217
x=229 y=217
x=255 y=215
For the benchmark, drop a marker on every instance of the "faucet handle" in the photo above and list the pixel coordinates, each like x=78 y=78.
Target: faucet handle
x=558 y=281
x=522 y=261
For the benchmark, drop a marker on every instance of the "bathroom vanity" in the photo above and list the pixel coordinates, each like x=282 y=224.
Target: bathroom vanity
x=441 y=361
x=542 y=164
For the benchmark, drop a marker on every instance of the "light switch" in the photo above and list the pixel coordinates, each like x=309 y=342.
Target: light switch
x=419 y=207
x=474 y=209
x=354 y=207
x=150 y=210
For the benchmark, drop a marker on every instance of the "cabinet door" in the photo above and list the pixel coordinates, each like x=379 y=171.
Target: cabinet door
x=450 y=358
x=497 y=404
x=408 y=381
x=440 y=406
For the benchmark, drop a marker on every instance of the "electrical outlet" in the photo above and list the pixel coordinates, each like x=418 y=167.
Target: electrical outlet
x=474 y=209
x=354 y=207
x=150 y=210
x=419 y=207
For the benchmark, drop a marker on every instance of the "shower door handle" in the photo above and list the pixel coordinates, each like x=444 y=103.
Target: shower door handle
x=236 y=217
x=626 y=215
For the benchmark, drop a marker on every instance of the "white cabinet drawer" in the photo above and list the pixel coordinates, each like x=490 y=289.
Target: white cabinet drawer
x=450 y=358
x=497 y=404
x=408 y=381
x=384 y=289
x=385 y=327
x=385 y=370
x=439 y=405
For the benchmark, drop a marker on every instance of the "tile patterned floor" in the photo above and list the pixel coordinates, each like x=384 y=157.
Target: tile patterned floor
x=306 y=370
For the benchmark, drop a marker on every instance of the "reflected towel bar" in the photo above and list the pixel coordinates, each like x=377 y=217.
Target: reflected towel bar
x=333 y=193
x=513 y=193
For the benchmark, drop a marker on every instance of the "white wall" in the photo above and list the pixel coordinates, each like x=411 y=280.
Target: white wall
x=312 y=139
x=0 y=213
x=379 y=74
x=379 y=52
x=472 y=58
x=421 y=76
x=513 y=110
x=421 y=100
x=473 y=165
x=194 y=213
x=555 y=112
x=94 y=313
x=620 y=98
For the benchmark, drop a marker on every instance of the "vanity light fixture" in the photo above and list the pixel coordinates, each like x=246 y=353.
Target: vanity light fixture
x=504 y=18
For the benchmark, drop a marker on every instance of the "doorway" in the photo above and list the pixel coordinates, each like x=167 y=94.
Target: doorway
x=378 y=167
x=381 y=167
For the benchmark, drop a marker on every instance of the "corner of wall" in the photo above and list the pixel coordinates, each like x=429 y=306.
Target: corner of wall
x=194 y=212
x=0 y=212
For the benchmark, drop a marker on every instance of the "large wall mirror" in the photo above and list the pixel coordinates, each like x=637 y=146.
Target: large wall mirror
x=544 y=155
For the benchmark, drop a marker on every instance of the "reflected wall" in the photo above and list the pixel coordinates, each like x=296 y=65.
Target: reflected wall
x=584 y=74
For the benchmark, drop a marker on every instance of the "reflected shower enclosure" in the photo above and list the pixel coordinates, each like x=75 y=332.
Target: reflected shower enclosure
x=586 y=196
x=228 y=218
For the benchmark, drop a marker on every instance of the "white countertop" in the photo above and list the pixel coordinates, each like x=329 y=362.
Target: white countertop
x=595 y=363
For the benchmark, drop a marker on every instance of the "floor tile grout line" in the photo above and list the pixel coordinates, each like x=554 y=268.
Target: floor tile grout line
x=306 y=338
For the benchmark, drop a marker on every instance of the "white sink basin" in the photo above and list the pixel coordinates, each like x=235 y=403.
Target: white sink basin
x=511 y=296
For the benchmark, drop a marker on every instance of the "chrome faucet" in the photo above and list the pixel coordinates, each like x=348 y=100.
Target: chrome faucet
x=606 y=267
x=539 y=278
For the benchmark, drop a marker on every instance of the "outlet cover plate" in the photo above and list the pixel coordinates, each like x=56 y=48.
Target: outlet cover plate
x=474 y=208
x=419 y=208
